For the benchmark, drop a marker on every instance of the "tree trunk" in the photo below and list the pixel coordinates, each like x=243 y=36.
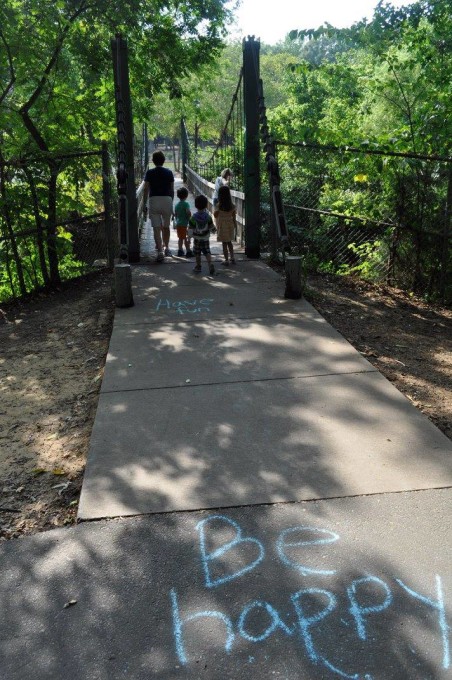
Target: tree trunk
x=10 y=276
x=39 y=227
x=10 y=232
x=446 y=236
x=51 y=227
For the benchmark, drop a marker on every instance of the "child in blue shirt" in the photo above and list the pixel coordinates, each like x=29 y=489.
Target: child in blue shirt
x=182 y=214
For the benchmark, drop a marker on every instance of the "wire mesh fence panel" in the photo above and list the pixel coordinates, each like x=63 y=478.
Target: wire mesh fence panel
x=383 y=217
x=52 y=221
x=88 y=242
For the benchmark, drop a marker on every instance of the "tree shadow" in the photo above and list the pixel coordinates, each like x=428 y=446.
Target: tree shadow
x=318 y=590
x=408 y=340
x=223 y=411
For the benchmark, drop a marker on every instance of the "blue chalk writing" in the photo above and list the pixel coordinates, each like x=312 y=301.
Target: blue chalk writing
x=358 y=612
x=227 y=553
x=439 y=606
x=282 y=544
x=338 y=671
x=166 y=304
x=208 y=557
x=305 y=623
x=178 y=624
x=185 y=306
x=276 y=621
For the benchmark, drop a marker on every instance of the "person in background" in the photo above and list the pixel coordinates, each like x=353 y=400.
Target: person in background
x=159 y=187
x=200 y=227
x=182 y=215
x=225 y=220
x=224 y=178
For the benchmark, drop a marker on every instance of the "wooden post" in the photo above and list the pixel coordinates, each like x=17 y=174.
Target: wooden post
x=294 y=277
x=252 y=182
x=123 y=285
x=125 y=143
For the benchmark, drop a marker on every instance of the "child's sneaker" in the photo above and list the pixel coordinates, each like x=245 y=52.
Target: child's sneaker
x=225 y=263
x=180 y=253
x=189 y=253
x=211 y=269
x=168 y=252
x=197 y=269
x=232 y=260
x=160 y=257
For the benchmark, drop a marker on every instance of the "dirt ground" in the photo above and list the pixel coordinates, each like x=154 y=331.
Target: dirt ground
x=52 y=355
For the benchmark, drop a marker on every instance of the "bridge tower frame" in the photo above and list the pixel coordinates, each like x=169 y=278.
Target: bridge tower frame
x=251 y=161
x=128 y=218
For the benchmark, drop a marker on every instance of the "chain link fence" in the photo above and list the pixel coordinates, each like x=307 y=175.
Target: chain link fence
x=379 y=215
x=56 y=220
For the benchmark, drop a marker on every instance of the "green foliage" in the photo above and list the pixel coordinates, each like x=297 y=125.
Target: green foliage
x=372 y=257
x=57 y=96
x=387 y=80
x=379 y=85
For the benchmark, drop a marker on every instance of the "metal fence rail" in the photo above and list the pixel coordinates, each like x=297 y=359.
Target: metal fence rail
x=382 y=215
x=209 y=160
x=198 y=185
x=80 y=241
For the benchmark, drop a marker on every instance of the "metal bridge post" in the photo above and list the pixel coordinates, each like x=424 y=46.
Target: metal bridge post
x=145 y=148
x=184 y=150
x=128 y=236
x=252 y=184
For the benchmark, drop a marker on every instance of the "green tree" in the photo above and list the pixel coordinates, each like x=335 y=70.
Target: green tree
x=381 y=84
x=56 y=90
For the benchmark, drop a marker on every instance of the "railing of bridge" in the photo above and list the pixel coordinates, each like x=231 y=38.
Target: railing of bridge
x=209 y=160
x=140 y=207
x=198 y=185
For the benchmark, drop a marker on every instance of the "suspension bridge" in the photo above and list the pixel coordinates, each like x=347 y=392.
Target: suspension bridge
x=259 y=502
x=287 y=192
x=376 y=213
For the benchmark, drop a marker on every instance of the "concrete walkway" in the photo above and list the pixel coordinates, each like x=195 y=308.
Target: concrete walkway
x=295 y=506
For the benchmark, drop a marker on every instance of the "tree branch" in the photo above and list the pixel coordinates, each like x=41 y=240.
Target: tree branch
x=407 y=103
x=58 y=47
x=24 y=110
x=12 y=79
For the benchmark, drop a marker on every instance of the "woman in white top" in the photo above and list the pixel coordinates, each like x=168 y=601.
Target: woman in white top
x=224 y=178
